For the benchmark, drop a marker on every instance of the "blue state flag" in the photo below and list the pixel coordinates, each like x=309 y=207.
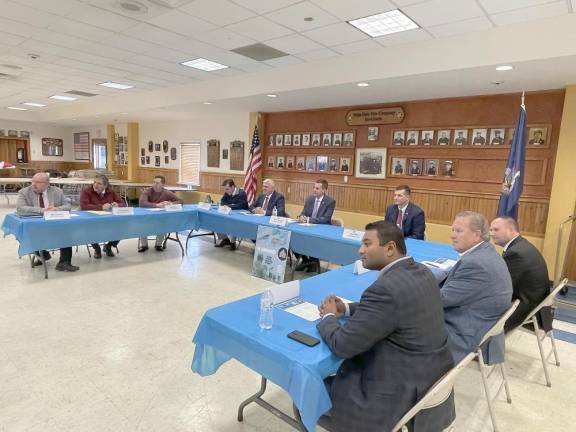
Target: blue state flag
x=513 y=182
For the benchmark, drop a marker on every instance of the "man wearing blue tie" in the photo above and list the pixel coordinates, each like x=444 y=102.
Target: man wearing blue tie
x=407 y=216
x=318 y=209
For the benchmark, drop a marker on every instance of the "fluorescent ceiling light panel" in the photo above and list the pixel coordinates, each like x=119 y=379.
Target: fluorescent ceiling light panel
x=63 y=98
x=504 y=68
x=33 y=104
x=203 y=64
x=17 y=108
x=385 y=23
x=114 y=85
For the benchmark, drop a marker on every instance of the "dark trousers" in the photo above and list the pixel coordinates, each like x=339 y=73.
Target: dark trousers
x=65 y=254
x=114 y=243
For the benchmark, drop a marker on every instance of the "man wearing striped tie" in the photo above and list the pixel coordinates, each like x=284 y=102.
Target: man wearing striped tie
x=269 y=200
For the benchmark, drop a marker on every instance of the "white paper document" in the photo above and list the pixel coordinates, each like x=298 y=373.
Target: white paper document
x=301 y=309
x=440 y=263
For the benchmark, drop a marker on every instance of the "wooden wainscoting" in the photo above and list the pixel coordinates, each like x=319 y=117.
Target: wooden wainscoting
x=146 y=175
x=212 y=181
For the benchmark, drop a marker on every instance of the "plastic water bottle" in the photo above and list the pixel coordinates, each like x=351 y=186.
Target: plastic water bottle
x=274 y=211
x=266 y=310
x=208 y=199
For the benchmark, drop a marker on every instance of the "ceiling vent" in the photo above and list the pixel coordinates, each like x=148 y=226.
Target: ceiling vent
x=259 y=52
x=81 y=93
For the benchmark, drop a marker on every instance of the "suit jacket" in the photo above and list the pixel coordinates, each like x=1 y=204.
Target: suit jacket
x=276 y=200
x=475 y=294
x=530 y=281
x=28 y=203
x=395 y=347
x=237 y=201
x=413 y=220
x=325 y=211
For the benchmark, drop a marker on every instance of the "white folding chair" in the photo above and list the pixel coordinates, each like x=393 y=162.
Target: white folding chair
x=496 y=330
x=541 y=334
x=436 y=395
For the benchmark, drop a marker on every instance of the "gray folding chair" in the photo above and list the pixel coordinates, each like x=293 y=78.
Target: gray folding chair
x=496 y=330
x=436 y=395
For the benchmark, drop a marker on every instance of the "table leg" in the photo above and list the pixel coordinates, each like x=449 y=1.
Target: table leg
x=177 y=239
x=192 y=235
x=41 y=258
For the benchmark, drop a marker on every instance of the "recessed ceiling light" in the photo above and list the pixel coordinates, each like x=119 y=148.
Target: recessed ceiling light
x=385 y=23
x=272 y=95
x=17 y=108
x=63 y=98
x=362 y=84
x=504 y=68
x=203 y=64
x=33 y=104
x=114 y=85
x=207 y=103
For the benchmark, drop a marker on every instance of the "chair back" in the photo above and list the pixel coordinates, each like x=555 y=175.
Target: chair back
x=549 y=300
x=437 y=394
x=337 y=221
x=498 y=328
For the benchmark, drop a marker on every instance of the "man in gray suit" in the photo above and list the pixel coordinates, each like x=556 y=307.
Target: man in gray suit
x=394 y=342
x=38 y=198
x=477 y=290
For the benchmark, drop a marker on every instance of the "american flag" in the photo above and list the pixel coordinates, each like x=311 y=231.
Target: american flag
x=255 y=164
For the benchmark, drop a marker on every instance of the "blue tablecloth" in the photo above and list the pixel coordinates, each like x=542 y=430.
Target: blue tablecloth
x=35 y=233
x=231 y=331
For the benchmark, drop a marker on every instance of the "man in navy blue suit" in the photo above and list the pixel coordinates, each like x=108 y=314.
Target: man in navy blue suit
x=269 y=200
x=235 y=198
x=407 y=216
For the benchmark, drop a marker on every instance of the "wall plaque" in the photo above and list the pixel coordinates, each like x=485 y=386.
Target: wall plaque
x=237 y=155
x=213 y=159
x=375 y=116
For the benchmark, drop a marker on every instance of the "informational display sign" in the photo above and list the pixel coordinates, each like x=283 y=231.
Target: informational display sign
x=272 y=248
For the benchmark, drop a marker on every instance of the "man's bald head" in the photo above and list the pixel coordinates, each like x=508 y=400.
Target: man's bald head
x=40 y=182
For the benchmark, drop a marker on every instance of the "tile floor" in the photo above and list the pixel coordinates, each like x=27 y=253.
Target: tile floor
x=109 y=349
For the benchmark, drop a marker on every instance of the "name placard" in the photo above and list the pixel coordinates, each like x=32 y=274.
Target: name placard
x=204 y=205
x=173 y=207
x=352 y=234
x=285 y=291
x=359 y=268
x=122 y=211
x=224 y=210
x=375 y=116
x=278 y=220
x=57 y=215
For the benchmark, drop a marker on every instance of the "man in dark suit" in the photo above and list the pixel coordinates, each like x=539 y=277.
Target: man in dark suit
x=318 y=209
x=528 y=270
x=537 y=140
x=269 y=200
x=479 y=139
x=236 y=199
x=407 y=216
x=394 y=342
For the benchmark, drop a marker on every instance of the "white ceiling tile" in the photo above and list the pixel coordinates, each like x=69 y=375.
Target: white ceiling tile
x=354 y=47
x=336 y=34
x=265 y=6
x=194 y=47
x=17 y=28
x=149 y=33
x=294 y=44
x=346 y=10
x=228 y=72
x=25 y=14
x=283 y=61
x=225 y=39
x=59 y=39
x=105 y=51
x=10 y=39
x=57 y=7
x=410 y=36
x=438 y=12
x=77 y=29
x=128 y=43
x=293 y=16
x=39 y=47
x=466 y=26
x=254 y=66
x=180 y=22
x=168 y=55
x=318 y=54
x=402 y=3
x=531 y=14
x=260 y=29
x=219 y=12
x=101 y=18
x=497 y=6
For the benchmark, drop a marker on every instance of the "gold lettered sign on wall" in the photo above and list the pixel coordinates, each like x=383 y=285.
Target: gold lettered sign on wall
x=375 y=116
x=237 y=155
x=213 y=153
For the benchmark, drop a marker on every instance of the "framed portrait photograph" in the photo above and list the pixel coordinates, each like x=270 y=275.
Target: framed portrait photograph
x=290 y=162
x=322 y=163
x=300 y=162
x=345 y=164
x=373 y=133
x=279 y=140
x=271 y=140
x=287 y=140
x=371 y=163
x=305 y=139
x=165 y=146
x=460 y=137
x=173 y=153
x=537 y=136
x=310 y=163
x=224 y=153
x=348 y=139
x=337 y=139
x=333 y=164
x=326 y=139
x=316 y=139
x=431 y=167
x=157 y=147
x=415 y=167
x=398 y=138
x=510 y=135
x=166 y=160
x=142 y=151
x=497 y=136
x=427 y=137
x=142 y=160
x=412 y=138
x=271 y=162
x=296 y=140
x=280 y=162
x=24 y=134
x=443 y=138
x=157 y=160
x=398 y=166
x=448 y=168
x=147 y=160
x=479 y=137
x=150 y=146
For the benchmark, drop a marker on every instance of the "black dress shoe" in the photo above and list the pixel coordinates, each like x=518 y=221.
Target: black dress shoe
x=159 y=248
x=45 y=254
x=65 y=266
x=97 y=253
x=143 y=249
x=302 y=266
x=222 y=243
x=36 y=262
x=233 y=246
x=108 y=251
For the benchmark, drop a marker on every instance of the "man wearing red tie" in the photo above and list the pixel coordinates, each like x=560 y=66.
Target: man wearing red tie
x=407 y=216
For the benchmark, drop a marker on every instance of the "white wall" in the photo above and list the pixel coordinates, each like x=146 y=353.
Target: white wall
x=225 y=128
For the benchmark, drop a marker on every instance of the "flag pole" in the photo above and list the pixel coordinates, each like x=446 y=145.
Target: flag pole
x=522 y=104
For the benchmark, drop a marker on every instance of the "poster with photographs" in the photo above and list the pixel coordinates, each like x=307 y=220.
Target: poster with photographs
x=443 y=137
x=280 y=162
x=147 y=160
x=345 y=164
x=460 y=137
x=300 y=162
x=431 y=167
x=290 y=162
x=316 y=139
x=337 y=139
x=333 y=164
x=373 y=133
x=479 y=136
x=271 y=140
x=427 y=137
x=537 y=136
x=271 y=162
x=157 y=161
x=296 y=140
x=348 y=139
x=371 y=163
x=326 y=139
x=398 y=138
x=414 y=167
x=412 y=139
x=279 y=140
x=497 y=136
x=398 y=166
x=287 y=140
x=448 y=168
x=322 y=163
x=310 y=163
x=306 y=139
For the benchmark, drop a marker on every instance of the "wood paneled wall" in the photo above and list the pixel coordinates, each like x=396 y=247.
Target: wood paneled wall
x=212 y=182
x=44 y=166
x=147 y=175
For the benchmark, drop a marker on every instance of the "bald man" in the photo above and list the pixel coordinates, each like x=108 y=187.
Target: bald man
x=268 y=200
x=37 y=199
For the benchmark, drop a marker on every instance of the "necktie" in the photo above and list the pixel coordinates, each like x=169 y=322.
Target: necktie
x=41 y=200
x=265 y=205
x=399 y=219
x=316 y=206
